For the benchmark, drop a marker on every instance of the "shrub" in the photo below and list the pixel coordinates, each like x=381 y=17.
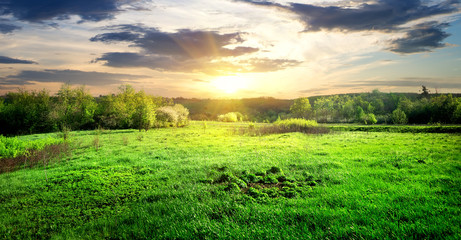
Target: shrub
x=231 y=117
x=369 y=119
x=183 y=115
x=399 y=117
x=166 y=117
x=228 y=117
x=172 y=116
x=296 y=123
x=284 y=126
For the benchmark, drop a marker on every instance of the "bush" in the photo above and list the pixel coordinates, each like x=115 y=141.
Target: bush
x=183 y=115
x=296 y=123
x=172 y=116
x=231 y=117
x=369 y=119
x=284 y=126
x=399 y=117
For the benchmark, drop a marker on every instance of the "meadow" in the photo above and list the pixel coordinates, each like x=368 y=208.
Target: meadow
x=208 y=180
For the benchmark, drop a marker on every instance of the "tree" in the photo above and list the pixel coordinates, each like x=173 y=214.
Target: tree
x=359 y=114
x=424 y=92
x=399 y=117
x=301 y=108
x=25 y=112
x=144 y=111
x=348 y=110
x=457 y=113
x=369 y=119
x=74 y=108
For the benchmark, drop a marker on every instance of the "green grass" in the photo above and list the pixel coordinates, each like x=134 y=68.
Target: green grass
x=11 y=147
x=169 y=184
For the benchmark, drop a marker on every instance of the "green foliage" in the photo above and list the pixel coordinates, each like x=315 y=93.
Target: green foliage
x=231 y=117
x=301 y=108
x=284 y=126
x=74 y=108
x=296 y=123
x=144 y=114
x=369 y=119
x=183 y=115
x=399 y=117
x=11 y=147
x=359 y=114
x=172 y=116
x=25 y=112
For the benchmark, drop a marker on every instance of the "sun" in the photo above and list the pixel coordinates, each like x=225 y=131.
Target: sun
x=229 y=84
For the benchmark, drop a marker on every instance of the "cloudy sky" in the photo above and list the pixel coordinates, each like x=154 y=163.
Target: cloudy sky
x=231 y=48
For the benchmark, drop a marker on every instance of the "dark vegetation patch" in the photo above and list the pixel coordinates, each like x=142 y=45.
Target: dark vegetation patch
x=33 y=157
x=263 y=185
x=273 y=129
x=283 y=126
x=398 y=129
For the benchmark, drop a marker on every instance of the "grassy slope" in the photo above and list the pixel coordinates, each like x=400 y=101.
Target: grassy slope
x=148 y=185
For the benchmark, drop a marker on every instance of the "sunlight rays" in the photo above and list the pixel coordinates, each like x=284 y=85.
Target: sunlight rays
x=229 y=84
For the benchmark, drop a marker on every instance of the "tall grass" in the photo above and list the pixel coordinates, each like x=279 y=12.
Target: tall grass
x=33 y=157
x=11 y=147
x=285 y=126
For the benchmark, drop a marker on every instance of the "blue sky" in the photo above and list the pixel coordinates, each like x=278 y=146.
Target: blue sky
x=231 y=48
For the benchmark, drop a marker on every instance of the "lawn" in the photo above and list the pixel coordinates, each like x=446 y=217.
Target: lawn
x=205 y=181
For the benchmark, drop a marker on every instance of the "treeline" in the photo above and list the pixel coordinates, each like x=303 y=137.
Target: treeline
x=26 y=112
x=366 y=108
x=263 y=109
x=388 y=108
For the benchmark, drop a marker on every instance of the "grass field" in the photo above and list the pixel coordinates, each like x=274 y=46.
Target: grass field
x=204 y=181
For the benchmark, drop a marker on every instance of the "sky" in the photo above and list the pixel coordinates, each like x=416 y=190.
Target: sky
x=231 y=48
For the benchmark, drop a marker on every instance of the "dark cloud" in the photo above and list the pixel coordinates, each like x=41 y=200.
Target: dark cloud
x=383 y=15
x=68 y=76
x=181 y=44
x=7 y=27
x=127 y=60
x=183 y=51
x=40 y=10
x=8 y=60
x=204 y=65
x=423 y=38
x=165 y=63
x=116 y=37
